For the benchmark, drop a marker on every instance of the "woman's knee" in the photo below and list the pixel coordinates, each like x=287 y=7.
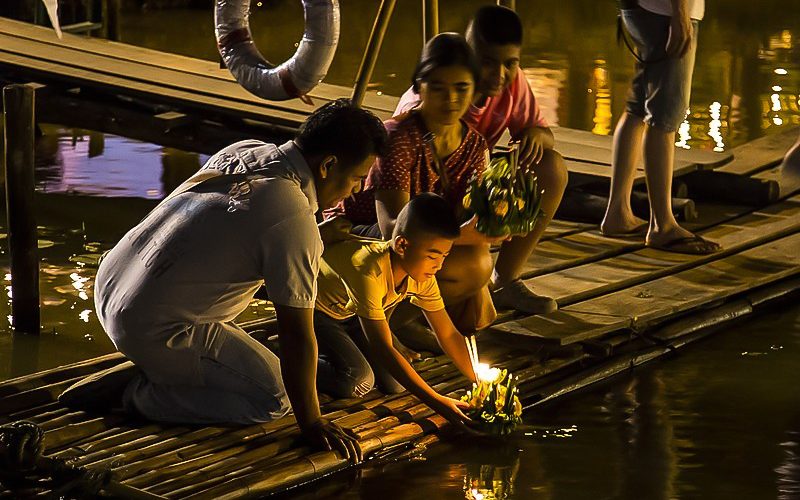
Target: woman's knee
x=468 y=266
x=552 y=172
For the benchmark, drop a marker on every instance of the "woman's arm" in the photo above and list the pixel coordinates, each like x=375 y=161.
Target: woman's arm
x=388 y=203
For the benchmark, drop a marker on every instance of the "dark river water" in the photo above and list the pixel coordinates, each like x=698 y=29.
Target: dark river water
x=719 y=420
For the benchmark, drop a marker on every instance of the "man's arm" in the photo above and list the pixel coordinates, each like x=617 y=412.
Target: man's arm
x=299 y=371
x=680 y=29
x=380 y=343
x=451 y=340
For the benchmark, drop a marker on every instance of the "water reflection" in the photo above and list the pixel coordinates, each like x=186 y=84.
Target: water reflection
x=708 y=423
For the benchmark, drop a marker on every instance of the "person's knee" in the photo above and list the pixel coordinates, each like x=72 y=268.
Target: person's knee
x=468 y=264
x=552 y=173
x=356 y=383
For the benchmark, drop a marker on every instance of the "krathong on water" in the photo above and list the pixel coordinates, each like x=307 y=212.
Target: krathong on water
x=493 y=400
x=505 y=198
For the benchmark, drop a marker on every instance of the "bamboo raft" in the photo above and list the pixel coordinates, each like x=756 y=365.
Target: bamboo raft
x=621 y=305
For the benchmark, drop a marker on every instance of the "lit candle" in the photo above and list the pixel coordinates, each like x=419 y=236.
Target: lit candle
x=487 y=374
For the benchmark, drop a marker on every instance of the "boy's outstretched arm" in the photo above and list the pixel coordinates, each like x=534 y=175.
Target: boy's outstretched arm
x=299 y=372
x=379 y=337
x=451 y=340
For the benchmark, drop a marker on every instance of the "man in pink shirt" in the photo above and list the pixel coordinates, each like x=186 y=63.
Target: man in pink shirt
x=503 y=100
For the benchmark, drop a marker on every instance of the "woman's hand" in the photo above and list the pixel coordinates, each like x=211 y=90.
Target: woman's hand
x=334 y=230
x=471 y=236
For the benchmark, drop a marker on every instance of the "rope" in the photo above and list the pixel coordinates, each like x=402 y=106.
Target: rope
x=24 y=468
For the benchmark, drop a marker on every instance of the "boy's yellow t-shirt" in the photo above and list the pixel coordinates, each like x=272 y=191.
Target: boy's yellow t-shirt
x=355 y=278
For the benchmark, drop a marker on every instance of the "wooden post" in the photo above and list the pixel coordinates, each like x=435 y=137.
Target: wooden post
x=18 y=106
x=372 y=50
x=111 y=19
x=430 y=19
x=511 y=4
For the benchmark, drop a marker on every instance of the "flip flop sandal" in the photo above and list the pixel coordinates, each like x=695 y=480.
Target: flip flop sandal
x=691 y=245
x=636 y=231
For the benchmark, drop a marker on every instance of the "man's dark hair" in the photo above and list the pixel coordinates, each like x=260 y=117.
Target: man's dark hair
x=495 y=25
x=342 y=129
x=427 y=213
x=445 y=50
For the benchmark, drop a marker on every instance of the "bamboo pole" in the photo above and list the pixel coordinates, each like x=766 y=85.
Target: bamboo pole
x=371 y=52
x=35 y=380
x=430 y=20
x=18 y=111
x=39 y=396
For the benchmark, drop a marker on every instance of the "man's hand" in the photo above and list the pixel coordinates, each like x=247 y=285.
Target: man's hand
x=326 y=435
x=532 y=143
x=334 y=230
x=680 y=35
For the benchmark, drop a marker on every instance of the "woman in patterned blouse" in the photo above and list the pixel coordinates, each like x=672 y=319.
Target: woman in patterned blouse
x=432 y=150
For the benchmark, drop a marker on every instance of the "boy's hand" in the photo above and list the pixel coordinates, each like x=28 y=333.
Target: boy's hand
x=326 y=435
x=335 y=229
x=452 y=410
x=532 y=144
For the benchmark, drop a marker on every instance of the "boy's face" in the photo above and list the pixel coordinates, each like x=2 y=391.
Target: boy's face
x=422 y=256
x=499 y=66
x=336 y=182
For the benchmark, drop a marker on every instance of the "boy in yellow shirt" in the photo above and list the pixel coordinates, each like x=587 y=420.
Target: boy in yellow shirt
x=359 y=284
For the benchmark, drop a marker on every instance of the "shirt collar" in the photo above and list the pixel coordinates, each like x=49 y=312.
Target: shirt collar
x=294 y=156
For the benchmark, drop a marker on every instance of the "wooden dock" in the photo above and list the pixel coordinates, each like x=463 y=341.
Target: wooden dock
x=621 y=304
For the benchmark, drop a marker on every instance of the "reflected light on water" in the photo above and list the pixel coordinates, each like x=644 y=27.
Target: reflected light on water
x=683 y=135
x=714 y=126
x=78 y=283
x=602 y=101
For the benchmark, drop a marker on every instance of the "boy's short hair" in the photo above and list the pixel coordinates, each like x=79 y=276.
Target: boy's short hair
x=495 y=25
x=427 y=213
x=344 y=130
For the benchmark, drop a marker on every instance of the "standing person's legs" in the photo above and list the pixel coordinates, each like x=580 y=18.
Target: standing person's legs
x=204 y=374
x=625 y=154
x=342 y=371
x=551 y=172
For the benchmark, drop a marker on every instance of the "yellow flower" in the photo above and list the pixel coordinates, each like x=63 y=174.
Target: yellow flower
x=520 y=204
x=517 y=407
x=501 y=208
x=467 y=201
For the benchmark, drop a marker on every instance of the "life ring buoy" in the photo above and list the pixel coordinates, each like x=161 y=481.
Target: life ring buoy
x=300 y=73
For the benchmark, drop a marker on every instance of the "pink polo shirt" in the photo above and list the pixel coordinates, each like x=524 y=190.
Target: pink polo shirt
x=515 y=109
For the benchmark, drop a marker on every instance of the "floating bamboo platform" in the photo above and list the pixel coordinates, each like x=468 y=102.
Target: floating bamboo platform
x=621 y=304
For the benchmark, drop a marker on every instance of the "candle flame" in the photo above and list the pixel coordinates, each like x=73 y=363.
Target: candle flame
x=486 y=373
